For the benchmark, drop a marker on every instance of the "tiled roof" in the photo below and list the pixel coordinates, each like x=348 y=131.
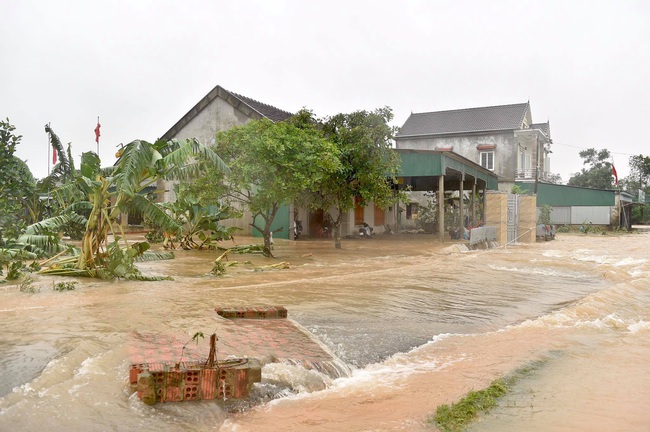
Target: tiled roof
x=268 y=111
x=502 y=117
x=246 y=105
x=544 y=127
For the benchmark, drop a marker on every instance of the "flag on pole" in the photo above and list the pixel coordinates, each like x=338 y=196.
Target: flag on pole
x=615 y=175
x=97 y=134
x=53 y=155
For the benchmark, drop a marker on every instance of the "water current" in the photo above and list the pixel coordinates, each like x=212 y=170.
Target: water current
x=418 y=323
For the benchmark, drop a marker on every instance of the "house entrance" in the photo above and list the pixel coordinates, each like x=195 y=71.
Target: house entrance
x=318 y=224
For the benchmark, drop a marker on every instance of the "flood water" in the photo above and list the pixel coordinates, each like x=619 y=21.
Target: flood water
x=419 y=326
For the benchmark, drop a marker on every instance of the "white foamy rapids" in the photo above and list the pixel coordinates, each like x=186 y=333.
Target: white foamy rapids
x=388 y=373
x=587 y=255
x=639 y=326
x=538 y=271
x=554 y=254
x=297 y=378
x=568 y=318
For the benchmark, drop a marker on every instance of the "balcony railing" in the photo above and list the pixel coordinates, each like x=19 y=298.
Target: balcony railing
x=529 y=175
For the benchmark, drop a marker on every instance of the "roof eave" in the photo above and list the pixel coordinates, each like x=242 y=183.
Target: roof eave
x=481 y=132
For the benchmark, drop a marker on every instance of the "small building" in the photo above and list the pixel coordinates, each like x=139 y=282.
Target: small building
x=217 y=111
x=579 y=206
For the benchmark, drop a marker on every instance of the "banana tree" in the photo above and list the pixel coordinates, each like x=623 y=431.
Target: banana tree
x=120 y=188
x=200 y=224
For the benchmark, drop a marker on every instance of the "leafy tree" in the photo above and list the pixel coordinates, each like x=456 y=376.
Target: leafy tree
x=554 y=179
x=16 y=185
x=640 y=171
x=598 y=175
x=639 y=179
x=272 y=164
x=368 y=164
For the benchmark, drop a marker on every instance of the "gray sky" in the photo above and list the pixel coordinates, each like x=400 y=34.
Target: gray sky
x=141 y=65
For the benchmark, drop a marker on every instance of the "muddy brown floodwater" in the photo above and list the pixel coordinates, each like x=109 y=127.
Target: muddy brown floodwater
x=418 y=324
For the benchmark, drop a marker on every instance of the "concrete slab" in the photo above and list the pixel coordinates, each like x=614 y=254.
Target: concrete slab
x=268 y=341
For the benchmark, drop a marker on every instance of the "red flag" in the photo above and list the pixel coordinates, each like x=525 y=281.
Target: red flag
x=97 y=134
x=615 y=175
x=53 y=155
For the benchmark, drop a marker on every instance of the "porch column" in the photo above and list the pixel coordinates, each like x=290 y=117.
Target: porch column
x=461 y=203
x=483 y=199
x=474 y=202
x=441 y=208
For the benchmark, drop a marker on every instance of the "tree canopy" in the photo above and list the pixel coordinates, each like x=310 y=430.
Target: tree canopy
x=640 y=170
x=272 y=164
x=368 y=164
x=16 y=184
x=598 y=174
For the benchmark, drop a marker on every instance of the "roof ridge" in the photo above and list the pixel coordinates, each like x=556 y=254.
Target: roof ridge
x=246 y=98
x=473 y=108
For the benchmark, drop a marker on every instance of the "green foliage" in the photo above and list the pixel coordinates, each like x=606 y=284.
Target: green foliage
x=640 y=170
x=554 y=179
x=598 y=175
x=273 y=164
x=518 y=190
x=427 y=214
x=545 y=214
x=121 y=189
x=63 y=171
x=564 y=229
x=14 y=270
x=200 y=228
x=457 y=416
x=26 y=285
x=155 y=234
x=589 y=228
x=17 y=185
x=64 y=286
x=368 y=165
x=154 y=256
x=641 y=214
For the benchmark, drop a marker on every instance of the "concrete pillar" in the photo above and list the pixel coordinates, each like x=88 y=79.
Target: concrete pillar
x=474 y=202
x=441 y=208
x=483 y=204
x=527 y=219
x=496 y=214
x=461 y=203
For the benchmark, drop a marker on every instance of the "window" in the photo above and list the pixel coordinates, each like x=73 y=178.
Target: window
x=524 y=161
x=412 y=211
x=487 y=159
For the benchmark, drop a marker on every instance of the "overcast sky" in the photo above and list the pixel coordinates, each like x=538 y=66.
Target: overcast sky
x=141 y=65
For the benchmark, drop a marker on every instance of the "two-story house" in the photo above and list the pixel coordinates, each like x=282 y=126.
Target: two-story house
x=501 y=138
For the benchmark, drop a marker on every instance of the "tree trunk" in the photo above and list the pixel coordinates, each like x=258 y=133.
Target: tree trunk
x=337 y=232
x=267 y=244
x=267 y=238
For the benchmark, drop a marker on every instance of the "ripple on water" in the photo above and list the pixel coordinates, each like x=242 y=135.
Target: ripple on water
x=20 y=364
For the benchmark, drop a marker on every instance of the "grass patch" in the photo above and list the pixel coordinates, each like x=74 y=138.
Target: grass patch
x=457 y=416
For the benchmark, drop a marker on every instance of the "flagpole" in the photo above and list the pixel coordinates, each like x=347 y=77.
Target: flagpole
x=48 y=151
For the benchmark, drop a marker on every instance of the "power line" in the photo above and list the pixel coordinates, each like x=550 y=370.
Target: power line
x=586 y=148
